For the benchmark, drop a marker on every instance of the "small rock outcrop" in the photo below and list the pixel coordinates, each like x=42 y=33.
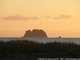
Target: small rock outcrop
x=35 y=33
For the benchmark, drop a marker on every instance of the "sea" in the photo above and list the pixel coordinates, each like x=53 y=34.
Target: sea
x=43 y=40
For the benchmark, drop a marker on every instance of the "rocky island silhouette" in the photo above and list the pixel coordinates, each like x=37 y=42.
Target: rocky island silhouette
x=35 y=33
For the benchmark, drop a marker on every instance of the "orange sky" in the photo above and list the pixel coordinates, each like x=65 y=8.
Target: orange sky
x=56 y=17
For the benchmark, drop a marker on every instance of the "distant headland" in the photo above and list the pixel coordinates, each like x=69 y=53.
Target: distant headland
x=35 y=33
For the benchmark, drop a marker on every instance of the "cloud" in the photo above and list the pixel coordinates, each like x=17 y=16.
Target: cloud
x=18 y=18
x=62 y=17
x=0 y=18
x=59 y=17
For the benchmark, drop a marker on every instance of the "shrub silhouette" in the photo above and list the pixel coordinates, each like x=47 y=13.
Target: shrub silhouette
x=55 y=49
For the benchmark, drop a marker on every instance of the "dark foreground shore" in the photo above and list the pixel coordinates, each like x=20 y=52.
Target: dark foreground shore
x=28 y=50
x=35 y=58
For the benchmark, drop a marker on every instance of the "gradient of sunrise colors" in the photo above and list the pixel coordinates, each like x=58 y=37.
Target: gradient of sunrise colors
x=56 y=17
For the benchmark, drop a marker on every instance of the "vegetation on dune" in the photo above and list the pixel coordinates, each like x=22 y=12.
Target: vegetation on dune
x=48 y=49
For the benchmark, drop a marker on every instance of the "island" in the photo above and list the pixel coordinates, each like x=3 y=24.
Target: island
x=35 y=33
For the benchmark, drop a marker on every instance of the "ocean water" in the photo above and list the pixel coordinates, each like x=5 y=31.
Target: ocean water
x=44 y=40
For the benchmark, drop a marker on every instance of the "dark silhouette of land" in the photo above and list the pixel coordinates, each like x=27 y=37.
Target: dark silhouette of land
x=28 y=50
x=55 y=49
x=35 y=33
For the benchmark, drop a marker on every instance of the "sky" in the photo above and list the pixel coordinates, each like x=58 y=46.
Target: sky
x=55 y=17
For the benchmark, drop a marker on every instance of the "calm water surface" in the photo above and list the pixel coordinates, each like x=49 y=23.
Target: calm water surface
x=45 y=40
